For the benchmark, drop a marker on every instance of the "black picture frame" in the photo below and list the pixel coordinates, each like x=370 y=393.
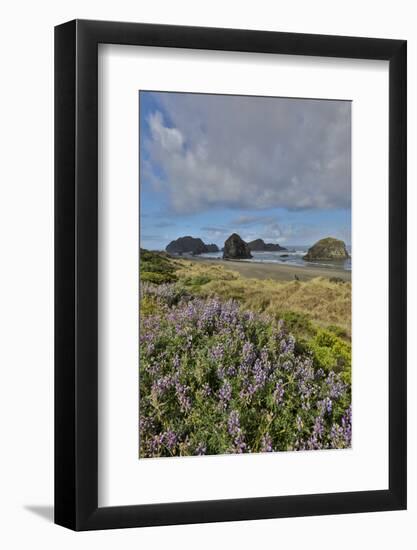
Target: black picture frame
x=76 y=272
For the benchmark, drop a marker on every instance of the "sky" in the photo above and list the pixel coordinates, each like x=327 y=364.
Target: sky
x=272 y=168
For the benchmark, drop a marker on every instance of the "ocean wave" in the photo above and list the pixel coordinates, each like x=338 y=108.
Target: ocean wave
x=290 y=257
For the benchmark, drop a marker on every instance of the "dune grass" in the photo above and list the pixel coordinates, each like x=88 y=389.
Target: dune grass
x=326 y=303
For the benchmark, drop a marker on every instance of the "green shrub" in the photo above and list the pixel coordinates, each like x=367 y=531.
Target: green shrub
x=330 y=352
x=156 y=267
x=198 y=281
x=148 y=306
x=298 y=323
x=157 y=278
x=339 y=331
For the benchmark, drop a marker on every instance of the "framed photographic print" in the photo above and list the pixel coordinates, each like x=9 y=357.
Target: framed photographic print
x=230 y=252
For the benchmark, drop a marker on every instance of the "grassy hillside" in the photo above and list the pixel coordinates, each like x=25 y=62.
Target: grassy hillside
x=316 y=312
x=326 y=303
x=156 y=267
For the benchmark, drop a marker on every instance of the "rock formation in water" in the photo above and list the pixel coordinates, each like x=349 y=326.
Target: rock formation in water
x=259 y=245
x=236 y=248
x=212 y=248
x=327 y=249
x=186 y=245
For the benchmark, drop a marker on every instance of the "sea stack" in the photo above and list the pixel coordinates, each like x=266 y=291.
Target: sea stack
x=186 y=245
x=212 y=248
x=259 y=245
x=327 y=249
x=236 y=248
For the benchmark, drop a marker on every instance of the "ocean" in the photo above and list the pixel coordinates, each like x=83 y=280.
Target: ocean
x=292 y=256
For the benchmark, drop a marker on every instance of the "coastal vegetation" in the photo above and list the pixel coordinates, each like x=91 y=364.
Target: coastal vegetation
x=235 y=364
x=156 y=267
x=319 y=300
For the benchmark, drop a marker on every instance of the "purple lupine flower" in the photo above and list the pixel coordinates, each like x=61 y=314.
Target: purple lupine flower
x=336 y=436
x=248 y=316
x=248 y=352
x=217 y=352
x=189 y=342
x=155 y=444
x=335 y=385
x=279 y=392
x=162 y=384
x=304 y=370
x=318 y=427
x=200 y=328
x=328 y=404
x=266 y=444
x=305 y=388
x=165 y=293
x=287 y=365
x=347 y=426
x=225 y=394
x=305 y=403
x=287 y=344
x=182 y=396
x=239 y=444
x=260 y=374
x=169 y=439
x=341 y=435
x=146 y=424
x=201 y=449
x=233 y=423
x=221 y=372
x=234 y=429
x=153 y=368
x=231 y=371
x=206 y=390
x=247 y=391
x=264 y=357
x=150 y=348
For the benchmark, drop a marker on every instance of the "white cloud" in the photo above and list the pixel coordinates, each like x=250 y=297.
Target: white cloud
x=245 y=220
x=169 y=139
x=257 y=153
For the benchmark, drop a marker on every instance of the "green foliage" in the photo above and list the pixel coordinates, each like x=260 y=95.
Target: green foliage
x=338 y=331
x=229 y=364
x=217 y=379
x=148 y=306
x=330 y=352
x=196 y=282
x=156 y=268
x=298 y=323
x=156 y=278
x=330 y=347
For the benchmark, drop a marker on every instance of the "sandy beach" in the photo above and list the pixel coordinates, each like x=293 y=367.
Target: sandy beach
x=276 y=272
